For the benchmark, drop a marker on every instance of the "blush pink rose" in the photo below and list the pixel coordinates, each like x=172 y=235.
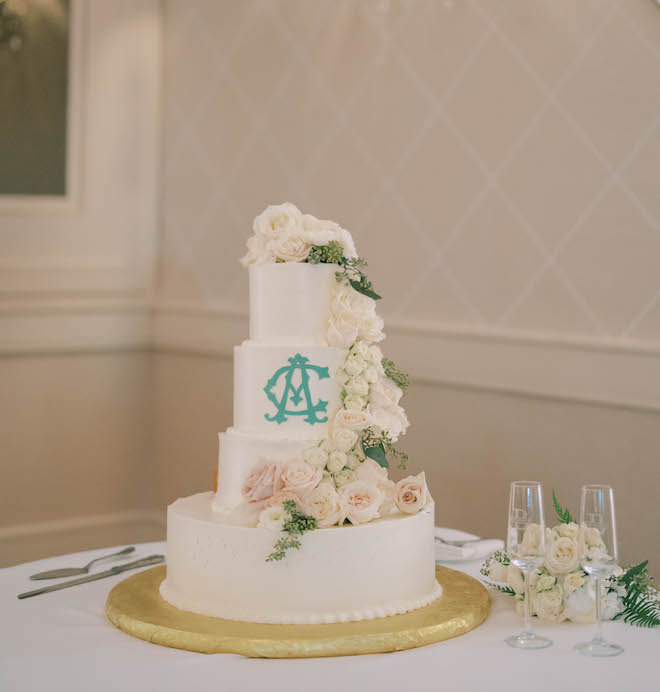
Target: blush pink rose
x=263 y=482
x=300 y=477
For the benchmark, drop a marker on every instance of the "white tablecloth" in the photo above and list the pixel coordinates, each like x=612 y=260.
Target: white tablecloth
x=62 y=641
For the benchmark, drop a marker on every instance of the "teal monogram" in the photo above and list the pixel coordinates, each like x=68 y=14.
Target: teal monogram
x=292 y=392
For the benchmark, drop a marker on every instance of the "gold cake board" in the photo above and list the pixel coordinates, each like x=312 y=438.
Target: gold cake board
x=136 y=607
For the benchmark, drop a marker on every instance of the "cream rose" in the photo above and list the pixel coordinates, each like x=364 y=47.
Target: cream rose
x=278 y=220
x=348 y=302
x=292 y=249
x=323 y=503
x=592 y=538
x=357 y=385
x=362 y=349
x=352 y=461
x=353 y=402
x=497 y=571
x=258 y=252
x=371 y=374
x=412 y=494
x=273 y=518
x=300 y=477
x=355 y=364
x=573 y=582
x=515 y=578
x=336 y=461
x=545 y=582
x=262 y=482
x=352 y=419
x=561 y=555
x=392 y=420
x=389 y=490
x=342 y=331
x=549 y=605
x=316 y=457
x=531 y=541
x=384 y=393
x=344 y=477
x=371 y=471
x=361 y=501
x=375 y=355
x=343 y=439
x=571 y=531
x=371 y=328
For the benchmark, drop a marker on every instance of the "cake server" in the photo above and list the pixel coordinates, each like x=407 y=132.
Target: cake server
x=117 y=569
x=75 y=571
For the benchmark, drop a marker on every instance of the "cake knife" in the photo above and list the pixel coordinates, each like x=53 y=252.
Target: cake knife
x=117 y=569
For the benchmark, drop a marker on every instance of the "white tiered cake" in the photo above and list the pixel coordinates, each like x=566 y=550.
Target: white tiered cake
x=305 y=526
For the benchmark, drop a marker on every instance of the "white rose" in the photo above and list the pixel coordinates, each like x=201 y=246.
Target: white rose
x=300 y=477
x=611 y=605
x=593 y=539
x=546 y=582
x=344 y=477
x=343 y=439
x=292 y=249
x=352 y=419
x=353 y=461
x=384 y=393
x=515 y=578
x=412 y=494
x=273 y=518
x=353 y=402
x=549 y=605
x=323 y=503
x=370 y=374
x=355 y=364
x=320 y=231
x=357 y=385
x=561 y=556
x=316 y=457
x=342 y=331
x=346 y=240
x=362 y=349
x=375 y=355
x=531 y=541
x=573 y=582
x=371 y=328
x=361 y=501
x=328 y=446
x=568 y=531
x=581 y=605
x=328 y=478
x=497 y=571
x=336 y=461
x=371 y=471
x=258 y=252
x=348 y=302
x=278 y=220
x=389 y=490
x=392 y=420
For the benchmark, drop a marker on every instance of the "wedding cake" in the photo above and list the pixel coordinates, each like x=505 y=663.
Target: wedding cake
x=305 y=526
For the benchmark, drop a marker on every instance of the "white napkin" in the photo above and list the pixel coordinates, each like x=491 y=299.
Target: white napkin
x=470 y=551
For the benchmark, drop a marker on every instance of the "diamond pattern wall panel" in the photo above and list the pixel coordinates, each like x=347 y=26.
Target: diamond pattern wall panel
x=496 y=160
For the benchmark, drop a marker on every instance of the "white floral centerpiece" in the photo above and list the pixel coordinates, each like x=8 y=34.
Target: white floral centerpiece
x=343 y=479
x=562 y=591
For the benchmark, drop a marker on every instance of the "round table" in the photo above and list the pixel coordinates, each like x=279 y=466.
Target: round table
x=62 y=641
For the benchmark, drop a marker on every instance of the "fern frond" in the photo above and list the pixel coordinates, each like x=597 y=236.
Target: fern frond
x=562 y=513
x=504 y=589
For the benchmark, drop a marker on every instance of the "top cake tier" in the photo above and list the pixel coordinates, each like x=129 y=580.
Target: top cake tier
x=290 y=303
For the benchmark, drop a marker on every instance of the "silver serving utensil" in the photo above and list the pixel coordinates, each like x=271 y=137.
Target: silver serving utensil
x=457 y=543
x=75 y=571
x=117 y=569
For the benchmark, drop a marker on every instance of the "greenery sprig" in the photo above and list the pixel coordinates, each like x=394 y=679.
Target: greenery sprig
x=563 y=515
x=504 y=589
x=296 y=525
x=351 y=269
x=641 y=604
x=332 y=253
x=377 y=446
x=401 y=379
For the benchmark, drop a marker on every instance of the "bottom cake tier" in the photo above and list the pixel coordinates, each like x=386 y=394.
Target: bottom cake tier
x=340 y=574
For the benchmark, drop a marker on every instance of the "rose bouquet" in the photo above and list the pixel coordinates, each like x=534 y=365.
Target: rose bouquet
x=562 y=590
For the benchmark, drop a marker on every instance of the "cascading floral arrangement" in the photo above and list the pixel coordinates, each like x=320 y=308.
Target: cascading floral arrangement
x=560 y=590
x=344 y=478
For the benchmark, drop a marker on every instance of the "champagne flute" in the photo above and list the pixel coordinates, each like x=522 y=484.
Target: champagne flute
x=597 y=550
x=526 y=548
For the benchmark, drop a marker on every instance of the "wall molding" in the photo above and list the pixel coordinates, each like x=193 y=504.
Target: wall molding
x=617 y=373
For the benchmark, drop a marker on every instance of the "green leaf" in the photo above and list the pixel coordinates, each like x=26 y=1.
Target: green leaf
x=640 y=610
x=504 y=589
x=563 y=515
x=378 y=455
x=634 y=571
x=364 y=291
